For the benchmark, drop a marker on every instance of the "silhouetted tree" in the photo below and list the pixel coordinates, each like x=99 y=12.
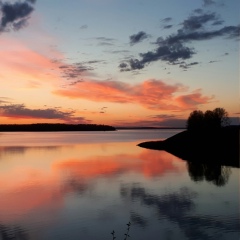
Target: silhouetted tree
x=221 y=117
x=195 y=120
x=215 y=119
x=210 y=120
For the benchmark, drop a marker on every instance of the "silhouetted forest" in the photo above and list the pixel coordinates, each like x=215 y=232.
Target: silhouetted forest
x=53 y=127
x=209 y=138
x=209 y=120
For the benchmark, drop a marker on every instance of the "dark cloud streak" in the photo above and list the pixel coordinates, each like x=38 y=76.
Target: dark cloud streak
x=139 y=37
x=74 y=71
x=167 y=19
x=20 y=110
x=173 y=49
x=197 y=22
x=167 y=26
x=208 y=3
x=186 y=66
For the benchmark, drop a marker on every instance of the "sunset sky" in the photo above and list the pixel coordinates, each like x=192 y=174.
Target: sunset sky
x=118 y=62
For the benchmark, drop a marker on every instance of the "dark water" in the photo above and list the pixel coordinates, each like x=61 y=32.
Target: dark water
x=70 y=185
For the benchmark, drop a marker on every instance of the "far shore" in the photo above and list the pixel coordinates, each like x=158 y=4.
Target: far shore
x=148 y=128
x=53 y=127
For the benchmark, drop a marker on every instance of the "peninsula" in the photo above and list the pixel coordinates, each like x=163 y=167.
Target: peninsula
x=211 y=147
x=209 y=139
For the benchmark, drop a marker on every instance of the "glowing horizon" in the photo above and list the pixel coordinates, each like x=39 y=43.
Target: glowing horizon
x=65 y=66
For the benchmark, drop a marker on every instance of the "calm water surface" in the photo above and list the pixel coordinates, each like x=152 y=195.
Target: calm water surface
x=83 y=185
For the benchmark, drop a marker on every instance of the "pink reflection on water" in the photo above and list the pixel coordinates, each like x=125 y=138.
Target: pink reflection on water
x=148 y=163
x=35 y=188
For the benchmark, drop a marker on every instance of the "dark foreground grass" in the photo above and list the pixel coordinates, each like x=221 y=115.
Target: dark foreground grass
x=126 y=234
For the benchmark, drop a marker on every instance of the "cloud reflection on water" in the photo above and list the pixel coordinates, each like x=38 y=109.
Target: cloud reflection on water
x=148 y=163
x=38 y=184
x=179 y=208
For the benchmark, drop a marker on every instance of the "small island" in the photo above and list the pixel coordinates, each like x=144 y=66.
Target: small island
x=53 y=127
x=208 y=139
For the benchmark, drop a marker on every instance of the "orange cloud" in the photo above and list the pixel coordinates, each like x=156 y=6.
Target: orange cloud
x=151 y=94
x=192 y=99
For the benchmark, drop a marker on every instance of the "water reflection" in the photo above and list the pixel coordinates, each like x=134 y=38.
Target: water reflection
x=12 y=233
x=74 y=185
x=148 y=163
x=64 y=191
x=179 y=208
x=216 y=174
x=20 y=150
x=44 y=179
x=138 y=219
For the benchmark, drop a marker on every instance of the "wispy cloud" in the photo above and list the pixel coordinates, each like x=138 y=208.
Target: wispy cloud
x=152 y=94
x=187 y=65
x=104 y=41
x=139 y=37
x=208 y=2
x=167 y=26
x=4 y=100
x=166 y=20
x=153 y=122
x=22 y=63
x=75 y=70
x=85 y=26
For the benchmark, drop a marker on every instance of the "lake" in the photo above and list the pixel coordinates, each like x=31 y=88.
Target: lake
x=84 y=185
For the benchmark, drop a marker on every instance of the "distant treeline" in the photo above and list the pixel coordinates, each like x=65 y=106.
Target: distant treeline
x=53 y=127
x=148 y=128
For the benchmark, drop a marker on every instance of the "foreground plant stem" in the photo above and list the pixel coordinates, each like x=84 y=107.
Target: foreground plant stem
x=126 y=234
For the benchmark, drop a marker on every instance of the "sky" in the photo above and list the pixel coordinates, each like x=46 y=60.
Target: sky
x=118 y=62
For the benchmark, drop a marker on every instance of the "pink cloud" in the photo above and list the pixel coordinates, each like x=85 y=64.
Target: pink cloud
x=192 y=99
x=35 y=64
x=23 y=63
x=151 y=94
